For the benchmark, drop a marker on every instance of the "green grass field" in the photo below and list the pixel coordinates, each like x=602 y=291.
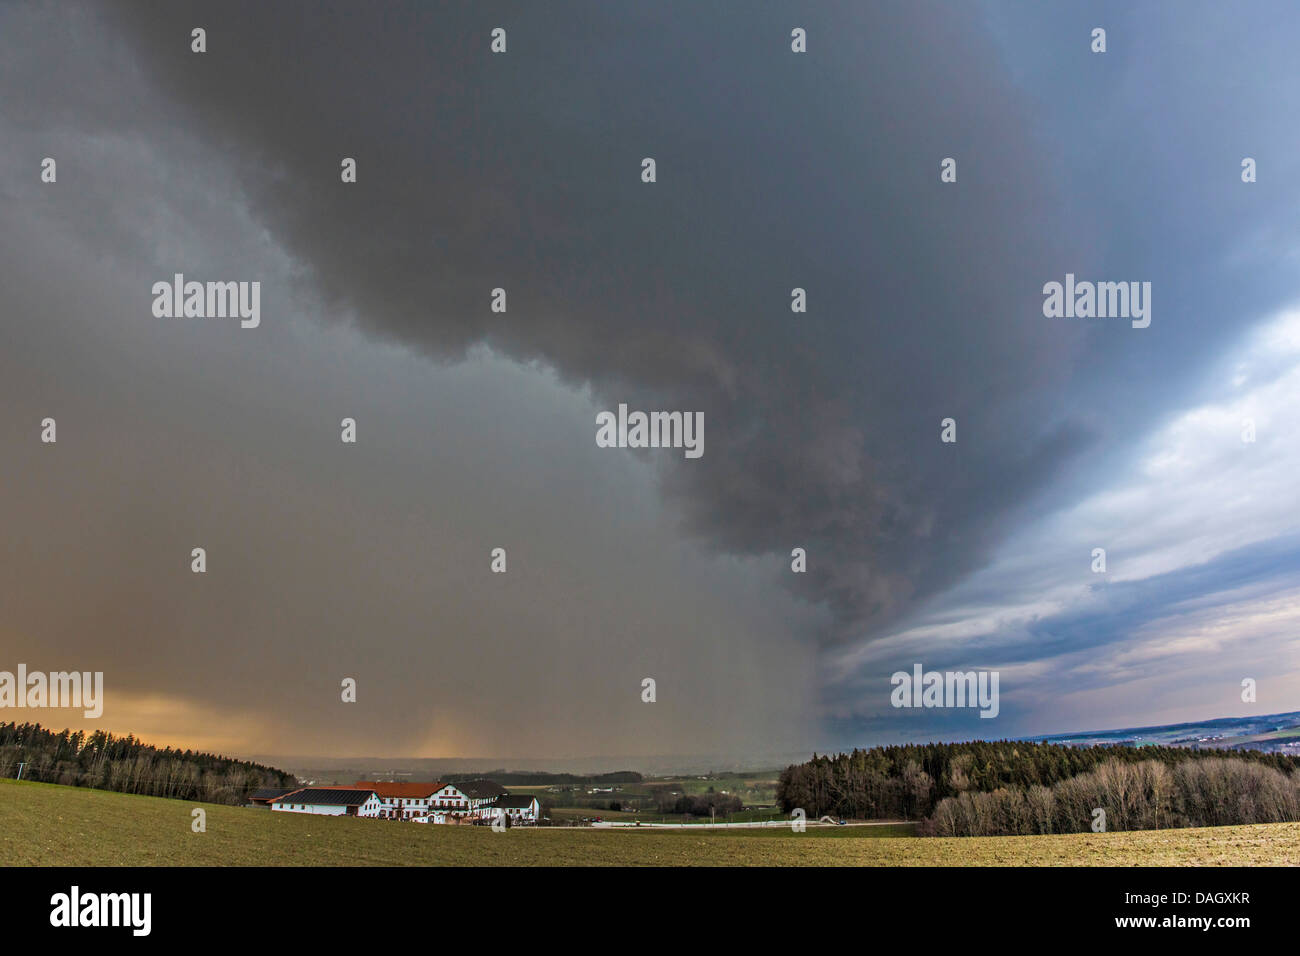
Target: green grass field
x=43 y=824
x=756 y=790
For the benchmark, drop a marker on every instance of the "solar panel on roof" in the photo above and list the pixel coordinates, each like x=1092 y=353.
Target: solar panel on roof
x=339 y=797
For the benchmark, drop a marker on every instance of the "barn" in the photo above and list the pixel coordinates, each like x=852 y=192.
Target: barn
x=333 y=802
x=264 y=796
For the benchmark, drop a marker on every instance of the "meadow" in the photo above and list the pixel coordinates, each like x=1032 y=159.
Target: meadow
x=44 y=824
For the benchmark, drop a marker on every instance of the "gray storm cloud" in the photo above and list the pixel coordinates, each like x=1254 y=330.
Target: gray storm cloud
x=775 y=171
x=522 y=171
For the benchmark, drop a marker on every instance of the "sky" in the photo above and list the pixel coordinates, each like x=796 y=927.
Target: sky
x=476 y=428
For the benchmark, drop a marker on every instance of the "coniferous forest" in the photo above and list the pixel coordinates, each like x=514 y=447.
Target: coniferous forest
x=128 y=765
x=985 y=788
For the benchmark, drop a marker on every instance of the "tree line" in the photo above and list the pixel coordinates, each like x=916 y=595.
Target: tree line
x=129 y=765
x=1120 y=795
x=910 y=781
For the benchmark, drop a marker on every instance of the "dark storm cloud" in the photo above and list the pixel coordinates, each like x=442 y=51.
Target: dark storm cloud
x=775 y=171
x=523 y=171
x=321 y=563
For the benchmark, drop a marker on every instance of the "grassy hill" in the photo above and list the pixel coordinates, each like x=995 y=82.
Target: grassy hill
x=43 y=824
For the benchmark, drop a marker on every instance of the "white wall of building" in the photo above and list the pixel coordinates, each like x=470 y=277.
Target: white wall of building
x=370 y=808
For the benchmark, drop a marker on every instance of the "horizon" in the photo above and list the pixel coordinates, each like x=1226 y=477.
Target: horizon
x=660 y=764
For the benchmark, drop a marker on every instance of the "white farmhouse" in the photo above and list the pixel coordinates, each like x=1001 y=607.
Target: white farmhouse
x=481 y=793
x=447 y=801
x=403 y=801
x=461 y=800
x=520 y=808
x=330 y=801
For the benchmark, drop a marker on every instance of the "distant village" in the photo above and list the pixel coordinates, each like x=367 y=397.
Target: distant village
x=469 y=802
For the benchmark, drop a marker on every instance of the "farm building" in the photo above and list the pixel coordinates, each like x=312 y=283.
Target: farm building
x=330 y=801
x=474 y=801
x=480 y=793
x=403 y=801
x=264 y=796
x=448 y=799
x=520 y=808
x=459 y=800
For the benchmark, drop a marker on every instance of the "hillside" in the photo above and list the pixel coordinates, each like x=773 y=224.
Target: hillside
x=44 y=824
x=129 y=765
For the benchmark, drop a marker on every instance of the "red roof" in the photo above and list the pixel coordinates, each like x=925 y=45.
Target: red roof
x=388 y=789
